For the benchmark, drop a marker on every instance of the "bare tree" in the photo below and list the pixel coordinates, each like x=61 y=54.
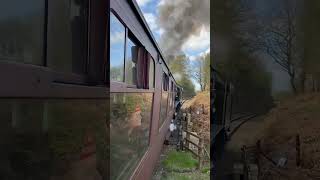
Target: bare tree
x=200 y=71
x=278 y=39
x=281 y=41
x=274 y=35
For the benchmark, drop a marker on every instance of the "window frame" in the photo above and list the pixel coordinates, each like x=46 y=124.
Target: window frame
x=134 y=40
x=154 y=73
x=122 y=86
x=125 y=44
x=43 y=82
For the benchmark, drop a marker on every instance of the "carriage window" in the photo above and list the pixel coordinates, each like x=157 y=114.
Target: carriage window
x=137 y=65
x=151 y=73
x=68 y=35
x=165 y=82
x=163 y=108
x=21 y=31
x=164 y=100
x=131 y=62
x=117 y=45
x=129 y=131
x=53 y=139
x=170 y=102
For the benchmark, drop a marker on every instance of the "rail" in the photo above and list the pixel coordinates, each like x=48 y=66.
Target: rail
x=239 y=122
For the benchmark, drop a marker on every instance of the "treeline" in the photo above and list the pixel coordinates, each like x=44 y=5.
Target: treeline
x=179 y=68
x=184 y=70
x=251 y=82
x=287 y=33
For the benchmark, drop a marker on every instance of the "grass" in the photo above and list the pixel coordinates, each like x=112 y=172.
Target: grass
x=176 y=176
x=205 y=170
x=180 y=161
x=186 y=176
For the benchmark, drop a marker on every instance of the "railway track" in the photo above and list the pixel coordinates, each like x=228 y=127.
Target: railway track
x=236 y=123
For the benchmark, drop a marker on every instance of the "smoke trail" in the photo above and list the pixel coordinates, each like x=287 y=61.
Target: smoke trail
x=180 y=19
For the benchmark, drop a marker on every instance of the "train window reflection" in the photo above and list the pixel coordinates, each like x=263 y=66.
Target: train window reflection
x=68 y=35
x=163 y=108
x=117 y=45
x=129 y=131
x=151 y=73
x=131 y=63
x=21 y=31
x=53 y=139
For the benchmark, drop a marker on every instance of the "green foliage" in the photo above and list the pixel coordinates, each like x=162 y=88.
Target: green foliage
x=179 y=67
x=188 y=87
x=206 y=72
x=176 y=176
x=206 y=170
x=179 y=161
x=179 y=64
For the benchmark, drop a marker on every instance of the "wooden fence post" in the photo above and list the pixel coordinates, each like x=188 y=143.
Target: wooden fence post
x=200 y=153
x=188 y=121
x=202 y=108
x=298 y=150
x=187 y=138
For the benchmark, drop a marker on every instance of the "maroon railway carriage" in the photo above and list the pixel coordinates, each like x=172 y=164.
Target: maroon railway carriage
x=142 y=77
x=85 y=92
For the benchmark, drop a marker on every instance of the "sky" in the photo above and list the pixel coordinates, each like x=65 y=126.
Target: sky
x=195 y=45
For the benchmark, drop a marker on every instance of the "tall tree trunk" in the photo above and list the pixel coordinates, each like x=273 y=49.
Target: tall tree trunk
x=293 y=85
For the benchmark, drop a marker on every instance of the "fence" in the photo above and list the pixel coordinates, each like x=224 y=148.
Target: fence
x=189 y=143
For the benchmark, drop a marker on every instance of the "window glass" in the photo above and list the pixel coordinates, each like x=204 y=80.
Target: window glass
x=130 y=66
x=22 y=31
x=164 y=103
x=163 y=112
x=117 y=45
x=68 y=35
x=165 y=82
x=151 y=73
x=129 y=131
x=170 y=102
x=54 y=139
